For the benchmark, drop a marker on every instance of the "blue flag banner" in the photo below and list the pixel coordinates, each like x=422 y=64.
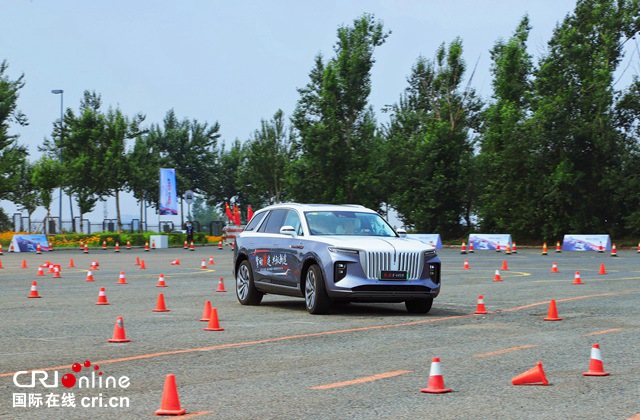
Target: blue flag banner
x=491 y=241
x=29 y=243
x=168 y=194
x=586 y=243
x=432 y=239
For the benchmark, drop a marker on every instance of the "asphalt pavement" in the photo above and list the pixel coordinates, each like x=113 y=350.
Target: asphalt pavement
x=276 y=361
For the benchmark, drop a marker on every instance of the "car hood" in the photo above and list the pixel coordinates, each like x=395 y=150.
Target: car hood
x=375 y=243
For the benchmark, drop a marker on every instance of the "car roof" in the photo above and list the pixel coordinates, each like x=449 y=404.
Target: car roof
x=320 y=207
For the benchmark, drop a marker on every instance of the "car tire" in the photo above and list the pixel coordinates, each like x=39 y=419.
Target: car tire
x=419 y=306
x=315 y=293
x=246 y=291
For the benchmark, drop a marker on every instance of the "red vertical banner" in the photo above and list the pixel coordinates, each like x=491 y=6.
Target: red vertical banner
x=249 y=213
x=228 y=211
x=236 y=215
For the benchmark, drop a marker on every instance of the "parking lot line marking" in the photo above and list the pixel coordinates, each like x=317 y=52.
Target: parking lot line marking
x=322 y=333
x=603 y=332
x=362 y=380
x=503 y=351
x=196 y=414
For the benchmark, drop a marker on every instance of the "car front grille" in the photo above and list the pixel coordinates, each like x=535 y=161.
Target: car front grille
x=378 y=261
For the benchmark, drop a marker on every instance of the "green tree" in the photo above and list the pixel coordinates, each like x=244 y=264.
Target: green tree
x=25 y=194
x=335 y=128
x=45 y=176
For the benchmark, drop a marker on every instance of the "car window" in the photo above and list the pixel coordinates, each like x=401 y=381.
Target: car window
x=348 y=223
x=274 y=221
x=293 y=219
x=255 y=221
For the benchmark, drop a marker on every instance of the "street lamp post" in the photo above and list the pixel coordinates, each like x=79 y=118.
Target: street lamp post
x=61 y=93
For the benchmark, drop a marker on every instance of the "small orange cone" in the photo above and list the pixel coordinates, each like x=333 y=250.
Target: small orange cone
x=24 y=264
x=220 y=246
x=463 y=248
x=102 y=297
x=498 y=247
x=11 y=248
x=186 y=245
x=203 y=265
x=142 y=265
x=465 y=266
x=128 y=244
x=86 y=249
x=119 y=335
x=137 y=261
x=552 y=314
x=496 y=276
x=40 y=272
x=90 y=276
x=71 y=263
x=576 y=278
x=94 y=265
x=470 y=247
x=614 y=252
x=1 y=248
x=161 y=282
x=558 y=247
x=600 y=248
x=153 y=244
x=1 y=264
x=214 y=324
x=56 y=272
x=206 y=313
x=603 y=270
x=38 y=249
x=211 y=260
x=34 y=291
x=117 y=247
x=192 y=247
x=233 y=246
x=596 y=368
x=175 y=262
x=170 y=404
x=505 y=266
x=104 y=245
x=638 y=247
x=146 y=246
x=544 y=248
x=220 y=286
x=514 y=250
x=480 y=309
x=534 y=376
x=554 y=268
x=50 y=265
x=122 y=279
x=160 y=305
x=436 y=382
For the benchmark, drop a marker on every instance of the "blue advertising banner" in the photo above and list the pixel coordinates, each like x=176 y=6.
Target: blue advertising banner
x=29 y=243
x=491 y=241
x=586 y=243
x=168 y=195
x=432 y=239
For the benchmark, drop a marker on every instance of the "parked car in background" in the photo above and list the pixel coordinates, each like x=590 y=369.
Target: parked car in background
x=332 y=253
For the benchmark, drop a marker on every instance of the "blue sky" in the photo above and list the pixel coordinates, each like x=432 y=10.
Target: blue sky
x=234 y=62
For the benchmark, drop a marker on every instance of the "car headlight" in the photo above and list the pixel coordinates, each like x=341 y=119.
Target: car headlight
x=343 y=250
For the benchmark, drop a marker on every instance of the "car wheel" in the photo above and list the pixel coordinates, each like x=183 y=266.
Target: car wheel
x=245 y=290
x=315 y=293
x=419 y=306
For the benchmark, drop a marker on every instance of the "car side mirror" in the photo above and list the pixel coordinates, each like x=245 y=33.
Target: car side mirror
x=401 y=232
x=288 y=230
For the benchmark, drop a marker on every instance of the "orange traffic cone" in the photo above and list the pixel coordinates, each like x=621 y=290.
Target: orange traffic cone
x=558 y=247
x=203 y=265
x=638 y=248
x=1 y=248
x=463 y=248
x=220 y=286
x=160 y=306
x=170 y=404
x=220 y=245
x=122 y=279
x=104 y=245
x=128 y=244
x=505 y=266
x=576 y=278
x=24 y=264
x=175 y=262
x=596 y=368
x=56 y=272
x=117 y=247
x=614 y=252
x=71 y=263
x=50 y=265
x=600 y=248
x=86 y=249
x=554 y=268
x=465 y=266
x=137 y=261
x=34 y=291
x=544 y=248
x=552 y=314
x=498 y=247
x=508 y=251
x=119 y=335
x=214 y=324
x=470 y=247
x=603 y=270
x=38 y=249
x=514 y=250
x=496 y=276
x=233 y=246
x=436 y=382
x=146 y=246
x=211 y=260
x=102 y=297
x=206 y=313
x=40 y=272
x=161 y=282
x=1 y=264
x=142 y=265
x=534 y=376
x=192 y=247
x=90 y=276
x=186 y=245
x=153 y=244
x=480 y=309
x=94 y=265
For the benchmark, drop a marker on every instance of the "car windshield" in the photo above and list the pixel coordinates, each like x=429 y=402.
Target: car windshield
x=348 y=223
